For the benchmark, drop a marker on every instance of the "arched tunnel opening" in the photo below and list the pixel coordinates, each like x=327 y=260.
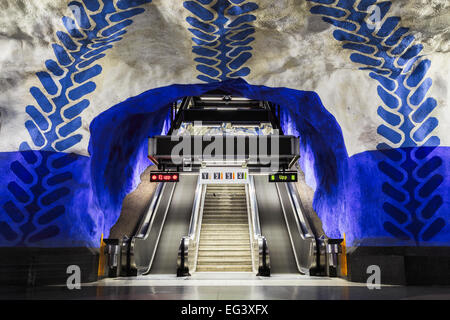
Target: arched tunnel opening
x=120 y=152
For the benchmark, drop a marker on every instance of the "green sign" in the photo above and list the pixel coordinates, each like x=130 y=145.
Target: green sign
x=283 y=177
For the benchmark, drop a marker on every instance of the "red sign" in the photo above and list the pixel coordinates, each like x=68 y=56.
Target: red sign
x=164 y=177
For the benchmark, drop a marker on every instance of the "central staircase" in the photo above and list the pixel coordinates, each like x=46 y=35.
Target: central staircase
x=224 y=237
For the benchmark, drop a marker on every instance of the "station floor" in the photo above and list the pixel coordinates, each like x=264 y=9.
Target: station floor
x=227 y=286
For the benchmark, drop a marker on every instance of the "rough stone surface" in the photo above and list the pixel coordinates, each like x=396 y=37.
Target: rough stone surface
x=57 y=90
x=134 y=207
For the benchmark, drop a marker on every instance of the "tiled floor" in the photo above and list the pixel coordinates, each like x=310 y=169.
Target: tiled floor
x=227 y=286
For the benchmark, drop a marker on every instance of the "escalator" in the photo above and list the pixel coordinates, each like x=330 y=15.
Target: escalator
x=175 y=226
x=294 y=245
x=258 y=227
x=206 y=225
x=273 y=227
x=153 y=249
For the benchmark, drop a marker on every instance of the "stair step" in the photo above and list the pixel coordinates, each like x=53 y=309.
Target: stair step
x=230 y=215
x=224 y=261
x=225 y=200
x=226 y=185
x=224 y=227
x=224 y=248
x=225 y=236
x=224 y=208
x=231 y=219
x=226 y=255
x=229 y=192
x=231 y=234
x=225 y=223
x=225 y=197
x=235 y=268
x=206 y=229
x=224 y=243
x=226 y=190
x=235 y=225
x=225 y=214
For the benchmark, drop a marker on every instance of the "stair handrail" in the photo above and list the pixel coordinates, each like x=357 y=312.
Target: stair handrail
x=260 y=240
x=189 y=243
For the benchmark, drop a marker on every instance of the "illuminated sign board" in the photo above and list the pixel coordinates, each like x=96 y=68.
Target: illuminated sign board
x=164 y=177
x=223 y=175
x=283 y=177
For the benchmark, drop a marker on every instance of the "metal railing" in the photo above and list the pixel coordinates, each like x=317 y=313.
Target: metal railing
x=261 y=259
x=313 y=255
x=142 y=247
x=300 y=234
x=188 y=249
x=155 y=201
x=120 y=252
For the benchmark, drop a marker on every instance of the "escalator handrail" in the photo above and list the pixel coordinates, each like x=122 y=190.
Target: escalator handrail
x=303 y=224
x=145 y=225
x=146 y=229
x=297 y=262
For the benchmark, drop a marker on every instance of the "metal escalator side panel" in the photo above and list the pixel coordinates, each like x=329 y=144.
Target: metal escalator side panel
x=175 y=226
x=273 y=227
x=146 y=222
x=143 y=249
x=260 y=256
x=142 y=231
x=303 y=244
x=198 y=228
x=252 y=226
x=302 y=221
x=188 y=250
x=309 y=232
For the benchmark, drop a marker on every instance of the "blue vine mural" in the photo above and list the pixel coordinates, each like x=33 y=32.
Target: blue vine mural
x=44 y=175
x=410 y=166
x=58 y=198
x=222 y=39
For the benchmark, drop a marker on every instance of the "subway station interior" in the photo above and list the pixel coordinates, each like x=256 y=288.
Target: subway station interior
x=224 y=150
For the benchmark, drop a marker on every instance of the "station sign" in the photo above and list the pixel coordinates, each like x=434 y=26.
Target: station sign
x=283 y=177
x=223 y=175
x=164 y=177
